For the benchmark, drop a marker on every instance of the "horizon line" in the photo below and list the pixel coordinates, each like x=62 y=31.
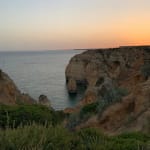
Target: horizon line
x=59 y=49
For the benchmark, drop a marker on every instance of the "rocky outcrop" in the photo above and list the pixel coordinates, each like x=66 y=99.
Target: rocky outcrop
x=43 y=100
x=105 y=69
x=95 y=68
x=132 y=114
x=72 y=86
x=9 y=93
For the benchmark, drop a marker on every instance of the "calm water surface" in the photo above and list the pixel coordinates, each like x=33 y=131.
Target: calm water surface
x=41 y=73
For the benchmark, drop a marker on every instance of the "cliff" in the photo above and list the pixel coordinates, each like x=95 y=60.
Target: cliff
x=9 y=93
x=118 y=81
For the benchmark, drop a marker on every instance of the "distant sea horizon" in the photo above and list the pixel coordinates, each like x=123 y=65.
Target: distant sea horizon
x=41 y=72
x=77 y=49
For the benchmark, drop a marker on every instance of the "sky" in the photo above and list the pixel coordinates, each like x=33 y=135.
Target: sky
x=73 y=24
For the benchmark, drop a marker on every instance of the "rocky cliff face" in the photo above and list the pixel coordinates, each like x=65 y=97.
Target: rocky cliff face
x=9 y=93
x=103 y=70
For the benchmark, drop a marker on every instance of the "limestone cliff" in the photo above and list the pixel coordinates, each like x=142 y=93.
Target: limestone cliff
x=105 y=69
x=9 y=93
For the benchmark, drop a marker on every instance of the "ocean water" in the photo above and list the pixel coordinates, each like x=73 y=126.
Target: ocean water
x=41 y=72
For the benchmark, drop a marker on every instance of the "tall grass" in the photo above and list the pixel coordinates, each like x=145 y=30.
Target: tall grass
x=39 y=137
x=14 y=116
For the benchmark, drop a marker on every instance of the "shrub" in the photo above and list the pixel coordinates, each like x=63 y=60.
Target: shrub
x=14 y=116
x=111 y=96
x=115 y=94
x=145 y=70
x=57 y=117
x=73 y=121
x=89 y=108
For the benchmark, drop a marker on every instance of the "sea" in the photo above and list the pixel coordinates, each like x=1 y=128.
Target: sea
x=41 y=72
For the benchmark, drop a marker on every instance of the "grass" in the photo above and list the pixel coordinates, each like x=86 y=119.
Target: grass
x=14 y=116
x=39 y=137
x=32 y=133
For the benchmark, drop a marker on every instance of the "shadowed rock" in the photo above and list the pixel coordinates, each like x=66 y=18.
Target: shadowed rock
x=43 y=100
x=105 y=70
x=10 y=94
x=1 y=77
x=72 y=86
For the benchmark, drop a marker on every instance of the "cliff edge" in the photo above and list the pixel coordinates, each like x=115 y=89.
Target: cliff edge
x=10 y=94
x=117 y=80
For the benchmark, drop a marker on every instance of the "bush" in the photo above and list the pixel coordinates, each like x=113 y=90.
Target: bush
x=14 y=116
x=89 y=109
x=145 y=70
x=58 y=117
x=115 y=94
x=79 y=117
x=111 y=96
x=73 y=121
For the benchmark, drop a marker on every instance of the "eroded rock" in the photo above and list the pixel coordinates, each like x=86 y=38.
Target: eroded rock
x=43 y=100
x=72 y=86
x=106 y=69
x=10 y=94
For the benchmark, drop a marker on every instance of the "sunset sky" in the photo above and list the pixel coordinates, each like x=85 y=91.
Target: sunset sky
x=69 y=24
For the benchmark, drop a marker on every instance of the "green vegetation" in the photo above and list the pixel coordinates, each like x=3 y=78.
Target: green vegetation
x=145 y=70
x=86 y=112
x=14 y=116
x=36 y=127
x=110 y=97
x=89 y=108
x=39 y=137
x=114 y=95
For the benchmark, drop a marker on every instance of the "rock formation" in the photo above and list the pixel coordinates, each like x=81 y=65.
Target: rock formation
x=72 y=86
x=9 y=93
x=43 y=100
x=105 y=69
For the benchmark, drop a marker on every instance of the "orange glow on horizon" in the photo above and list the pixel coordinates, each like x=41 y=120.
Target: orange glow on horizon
x=74 y=24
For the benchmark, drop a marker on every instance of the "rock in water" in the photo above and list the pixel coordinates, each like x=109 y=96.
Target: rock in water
x=43 y=100
x=72 y=86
